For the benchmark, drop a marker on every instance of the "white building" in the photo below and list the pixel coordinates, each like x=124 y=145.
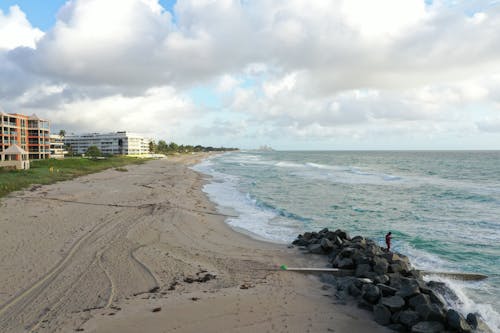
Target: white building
x=119 y=143
x=57 y=146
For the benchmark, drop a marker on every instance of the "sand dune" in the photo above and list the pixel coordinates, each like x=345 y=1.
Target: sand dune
x=101 y=252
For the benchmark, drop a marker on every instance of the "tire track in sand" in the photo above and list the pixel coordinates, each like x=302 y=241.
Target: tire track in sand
x=16 y=304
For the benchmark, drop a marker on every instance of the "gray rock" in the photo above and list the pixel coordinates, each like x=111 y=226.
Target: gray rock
x=391 y=256
x=342 y=234
x=381 y=314
x=344 y=263
x=307 y=235
x=427 y=327
x=477 y=323
x=397 y=327
x=326 y=245
x=338 y=241
x=395 y=280
x=362 y=304
x=395 y=317
x=416 y=274
x=405 y=265
x=442 y=289
x=353 y=290
x=382 y=279
x=362 y=270
x=457 y=322
x=395 y=268
x=300 y=242
x=418 y=300
x=408 y=318
x=348 y=252
x=381 y=266
x=370 y=293
x=437 y=298
x=315 y=248
x=431 y=312
x=386 y=290
x=358 y=239
x=360 y=258
x=409 y=288
x=393 y=303
x=371 y=275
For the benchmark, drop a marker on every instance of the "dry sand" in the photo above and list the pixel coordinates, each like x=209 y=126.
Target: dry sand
x=101 y=252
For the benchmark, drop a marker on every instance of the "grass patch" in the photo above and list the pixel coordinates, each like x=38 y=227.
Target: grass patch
x=121 y=169
x=51 y=171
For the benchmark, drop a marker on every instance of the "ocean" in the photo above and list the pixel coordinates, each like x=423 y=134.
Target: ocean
x=442 y=207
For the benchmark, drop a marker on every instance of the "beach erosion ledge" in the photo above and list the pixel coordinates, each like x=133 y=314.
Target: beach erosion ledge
x=386 y=284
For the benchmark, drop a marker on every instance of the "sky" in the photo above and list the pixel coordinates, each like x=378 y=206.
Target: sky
x=294 y=75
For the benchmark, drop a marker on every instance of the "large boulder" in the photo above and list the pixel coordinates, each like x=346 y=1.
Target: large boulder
x=381 y=314
x=409 y=287
x=397 y=328
x=353 y=290
x=408 y=318
x=348 y=252
x=343 y=263
x=477 y=323
x=300 y=242
x=326 y=244
x=386 y=290
x=381 y=265
x=431 y=312
x=358 y=239
x=393 y=303
x=307 y=236
x=437 y=298
x=370 y=293
x=442 y=289
x=342 y=234
x=316 y=249
x=362 y=304
x=457 y=322
x=382 y=279
x=362 y=270
x=395 y=280
x=427 y=327
x=360 y=258
x=418 y=300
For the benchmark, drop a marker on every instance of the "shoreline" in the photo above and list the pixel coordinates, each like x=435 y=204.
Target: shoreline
x=116 y=251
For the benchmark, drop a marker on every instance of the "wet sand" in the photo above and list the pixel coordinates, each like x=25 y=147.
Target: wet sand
x=118 y=252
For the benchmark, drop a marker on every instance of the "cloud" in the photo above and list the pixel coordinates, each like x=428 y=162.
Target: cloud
x=343 y=68
x=160 y=111
x=15 y=30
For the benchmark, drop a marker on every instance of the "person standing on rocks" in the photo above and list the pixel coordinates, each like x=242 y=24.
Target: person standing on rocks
x=388 y=238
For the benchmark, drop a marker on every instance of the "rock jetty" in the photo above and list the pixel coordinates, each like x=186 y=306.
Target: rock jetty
x=386 y=284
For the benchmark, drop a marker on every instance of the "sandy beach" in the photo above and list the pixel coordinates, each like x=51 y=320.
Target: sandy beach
x=145 y=250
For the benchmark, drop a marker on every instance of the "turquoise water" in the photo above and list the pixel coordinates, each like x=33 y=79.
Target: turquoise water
x=443 y=208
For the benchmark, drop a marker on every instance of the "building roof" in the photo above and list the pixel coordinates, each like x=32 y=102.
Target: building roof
x=14 y=150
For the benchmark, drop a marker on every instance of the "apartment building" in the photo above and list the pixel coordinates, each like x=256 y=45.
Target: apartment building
x=57 y=150
x=29 y=134
x=118 y=143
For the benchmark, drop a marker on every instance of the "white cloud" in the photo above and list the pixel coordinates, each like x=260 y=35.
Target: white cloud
x=15 y=30
x=383 y=18
x=160 y=111
x=324 y=68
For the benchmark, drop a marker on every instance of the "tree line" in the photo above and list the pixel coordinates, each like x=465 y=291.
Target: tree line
x=162 y=147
